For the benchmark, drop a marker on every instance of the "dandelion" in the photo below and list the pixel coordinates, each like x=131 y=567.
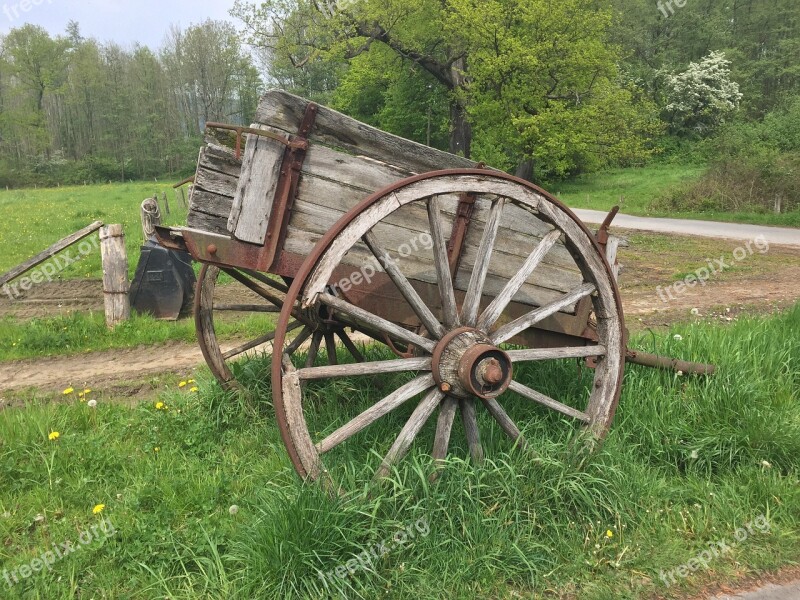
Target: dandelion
x=98 y=509
x=766 y=464
x=92 y=404
x=161 y=406
x=694 y=455
x=156 y=449
x=195 y=389
x=54 y=435
x=677 y=337
x=609 y=533
x=182 y=384
x=68 y=391
x=233 y=510
x=695 y=311
x=191 y=381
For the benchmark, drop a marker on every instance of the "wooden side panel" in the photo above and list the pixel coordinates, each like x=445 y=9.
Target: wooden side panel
x=252 y=203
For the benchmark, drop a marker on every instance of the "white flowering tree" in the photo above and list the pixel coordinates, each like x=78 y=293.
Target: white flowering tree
x=700 y=98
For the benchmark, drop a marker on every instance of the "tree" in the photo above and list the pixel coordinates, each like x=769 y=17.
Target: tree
x=700 y=98
x=506 y=67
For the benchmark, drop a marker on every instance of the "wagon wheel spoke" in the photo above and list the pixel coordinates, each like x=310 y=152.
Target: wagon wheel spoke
x=499 y=304
x=418 y=418
x=472 y=301
x=350 y=345
x=442 y=261
x=369 y=368
x=505 y=422
x=537 y=354
x=444 y=427
x=419 y=307
x=380 y=323
x=239 y=350
x=530 y=319
x=548 y=402
x=276 y=299
x=330 y=348
x=301 y=339
x=375 y=412
x=277 y=285
x=471 y=431
x=313 y=350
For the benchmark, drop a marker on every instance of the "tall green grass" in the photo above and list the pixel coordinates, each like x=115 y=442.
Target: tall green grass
x=687 y=462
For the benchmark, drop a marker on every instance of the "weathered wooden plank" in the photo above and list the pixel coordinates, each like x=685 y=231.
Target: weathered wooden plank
x=210 y=203
x=115 y=275
x=216 y=183
x=49 y=253
x=252 y=204
x=209 y=223
x=285 y=111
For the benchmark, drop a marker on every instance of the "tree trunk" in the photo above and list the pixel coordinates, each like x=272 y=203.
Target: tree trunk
x=525 y=170
x=460 y=128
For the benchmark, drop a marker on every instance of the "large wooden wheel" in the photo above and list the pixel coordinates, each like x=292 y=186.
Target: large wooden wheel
x=462 y=355
x=253 y=293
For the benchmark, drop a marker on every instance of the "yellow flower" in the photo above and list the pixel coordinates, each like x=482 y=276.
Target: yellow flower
x=609 y=533
x=182 y=384
x=161 y=406
x=87 y=391
x=195 y=389
x=156 y=449
x=98 y=509
x=68 y=391
x=54 y=435
x=191 y=381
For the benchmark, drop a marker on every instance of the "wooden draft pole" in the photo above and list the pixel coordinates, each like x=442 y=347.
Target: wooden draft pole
x=115 y=275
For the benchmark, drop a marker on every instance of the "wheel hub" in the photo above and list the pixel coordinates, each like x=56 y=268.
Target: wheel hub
x=466 y=363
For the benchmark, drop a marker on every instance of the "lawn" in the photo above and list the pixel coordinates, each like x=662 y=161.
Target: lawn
x=636 y=189
x=195 y=498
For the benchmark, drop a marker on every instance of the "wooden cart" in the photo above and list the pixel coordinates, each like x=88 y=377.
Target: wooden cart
x=465 y=273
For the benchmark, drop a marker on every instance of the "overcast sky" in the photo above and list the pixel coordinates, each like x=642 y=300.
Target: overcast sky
x=122 y=21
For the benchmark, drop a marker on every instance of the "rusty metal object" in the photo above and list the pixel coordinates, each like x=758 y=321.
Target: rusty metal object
x=183 y=183
x=300 y=142
x=458 y=238
x=668 y=364
x=602 y=233
x=485 y=371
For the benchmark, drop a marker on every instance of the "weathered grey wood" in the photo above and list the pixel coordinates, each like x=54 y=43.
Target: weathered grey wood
x=442 y=262
x=534 y=354
x=471 y=431
x=295 y=422
x=370 y=368
x=256 y=308
x=215 y=183
x=530 y=319
x=499 y=304
x=444 y=427
x=351 y=347
x=207 y=223
x=506 y=423
x=469 y=311
x=313 y=351
x=539 y=398
x=375 y=412
x=424 y=313
x=264 y=339
x=612 y=249
x=379 y=323
x=115 y=275
x=330 y=347
x=301 y=339
x=406 y=437
x=285 y=111
x=252 y=204
x=49 y=253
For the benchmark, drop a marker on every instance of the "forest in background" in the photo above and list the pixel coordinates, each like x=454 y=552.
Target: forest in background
x=547 y=90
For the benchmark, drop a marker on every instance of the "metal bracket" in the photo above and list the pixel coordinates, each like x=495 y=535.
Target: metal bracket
x=455 y=245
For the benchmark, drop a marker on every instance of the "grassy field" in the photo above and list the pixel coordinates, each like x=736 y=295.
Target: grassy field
x=636 y=189
x=35 y=219
x=195 y=497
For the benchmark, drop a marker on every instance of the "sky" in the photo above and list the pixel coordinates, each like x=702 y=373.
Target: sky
x=121 y=21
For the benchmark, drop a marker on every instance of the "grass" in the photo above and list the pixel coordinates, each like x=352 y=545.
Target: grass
x=36 y=219
x=87 y=332
x=688 y=462
x=636 y=189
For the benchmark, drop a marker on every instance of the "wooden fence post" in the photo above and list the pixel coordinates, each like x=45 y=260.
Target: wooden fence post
x=115 y=275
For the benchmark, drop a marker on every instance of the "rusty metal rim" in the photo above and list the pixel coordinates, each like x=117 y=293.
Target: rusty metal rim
x=325 y=243
x=439 y=351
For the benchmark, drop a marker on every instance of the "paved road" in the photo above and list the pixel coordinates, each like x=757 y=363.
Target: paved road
x=789 y=591
x=782 y=236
